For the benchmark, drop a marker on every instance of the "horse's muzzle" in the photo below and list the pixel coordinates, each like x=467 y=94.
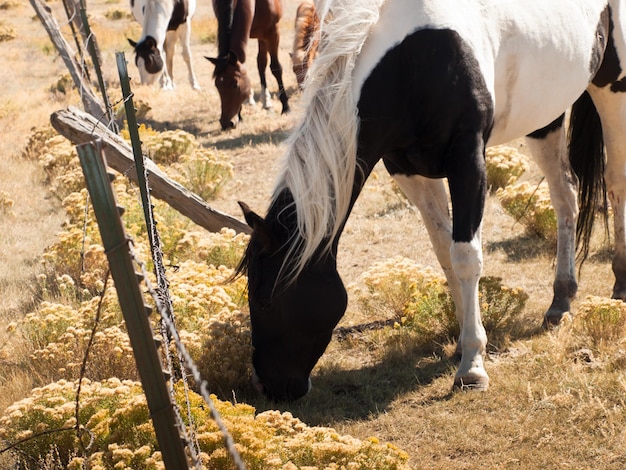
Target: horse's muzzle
x=294 y=389
x=228 y=125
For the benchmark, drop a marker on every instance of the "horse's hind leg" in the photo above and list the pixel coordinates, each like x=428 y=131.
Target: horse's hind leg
x=184 y=32
x=261 y=61
x=277 y=69
x=611 y=106
x=548 y=147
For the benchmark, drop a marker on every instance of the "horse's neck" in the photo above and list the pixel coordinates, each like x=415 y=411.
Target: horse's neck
x=282 y=213
x=156 y=18
x=240 y=31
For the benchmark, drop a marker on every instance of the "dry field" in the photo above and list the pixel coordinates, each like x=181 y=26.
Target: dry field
x=545 y=408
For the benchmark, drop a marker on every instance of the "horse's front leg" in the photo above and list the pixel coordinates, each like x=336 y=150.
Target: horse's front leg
x=548 y=147
x=261 y=61
x=169 y=48
x=430 y=198
x=467 y=181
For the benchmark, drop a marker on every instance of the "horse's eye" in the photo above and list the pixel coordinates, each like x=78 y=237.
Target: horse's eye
x=235 y=85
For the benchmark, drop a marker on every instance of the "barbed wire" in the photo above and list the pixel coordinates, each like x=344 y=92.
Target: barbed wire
x=190 y=364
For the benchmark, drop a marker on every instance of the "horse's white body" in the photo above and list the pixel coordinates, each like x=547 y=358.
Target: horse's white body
x=534 y=68
x=536 y=57
x=518 y=45
x=154 y=17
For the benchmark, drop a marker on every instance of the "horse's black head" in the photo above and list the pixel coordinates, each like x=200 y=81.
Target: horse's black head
x=292 y=319
x=233 y=86
x=148 y=59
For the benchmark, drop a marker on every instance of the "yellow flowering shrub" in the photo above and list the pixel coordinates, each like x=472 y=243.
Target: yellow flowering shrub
x=225 y=360
x=391 y=285
x=599 y=324
x=36 y=144
x=59 y=161
x=504 y=166
x=165 y=147
x=204 y=172
x=530 y=205
x=7 y=32
x=116 y=413
x=225 y=248
x=420 y=300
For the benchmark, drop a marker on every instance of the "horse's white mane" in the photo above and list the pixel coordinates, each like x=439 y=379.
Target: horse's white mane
x=320 y=163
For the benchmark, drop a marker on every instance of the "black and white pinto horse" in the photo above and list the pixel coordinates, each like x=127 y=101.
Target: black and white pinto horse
x=426 y=85
x=164 y=23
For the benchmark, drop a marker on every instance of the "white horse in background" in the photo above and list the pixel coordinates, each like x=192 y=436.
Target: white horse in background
x=163 y=22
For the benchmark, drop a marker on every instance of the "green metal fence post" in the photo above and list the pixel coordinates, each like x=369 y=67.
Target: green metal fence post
x=134 y=310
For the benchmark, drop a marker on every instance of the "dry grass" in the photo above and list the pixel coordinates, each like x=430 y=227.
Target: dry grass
x=546 y=407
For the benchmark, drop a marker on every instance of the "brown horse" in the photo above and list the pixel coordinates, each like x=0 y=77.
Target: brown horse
x=237 y=21
x=305 y=41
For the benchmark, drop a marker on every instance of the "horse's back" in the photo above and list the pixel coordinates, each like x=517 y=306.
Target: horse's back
x=535 y=57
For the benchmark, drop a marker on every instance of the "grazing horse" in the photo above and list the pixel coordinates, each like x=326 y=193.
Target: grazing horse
x=426 y=85
x=305 y=40
x=237 y=21
x=164 y=23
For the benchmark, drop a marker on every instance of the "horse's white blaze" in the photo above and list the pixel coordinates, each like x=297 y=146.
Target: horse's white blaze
x=517 y=44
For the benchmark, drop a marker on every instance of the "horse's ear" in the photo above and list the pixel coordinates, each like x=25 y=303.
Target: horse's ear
x=252 y=218
x=257 y=224
x=132 y=43
x=213 y=60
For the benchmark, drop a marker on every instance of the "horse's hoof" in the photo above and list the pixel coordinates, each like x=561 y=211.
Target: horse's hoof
x=553 y=319
x=471 y=384
x=286 y=110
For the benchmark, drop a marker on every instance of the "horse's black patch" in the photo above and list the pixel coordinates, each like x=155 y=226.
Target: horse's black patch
x=426 y=109
x=611 y=68
x=179 y=15
x=423 y=94
x=552 y=127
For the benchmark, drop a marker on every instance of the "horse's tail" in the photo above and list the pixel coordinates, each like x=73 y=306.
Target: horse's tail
x=586 y=156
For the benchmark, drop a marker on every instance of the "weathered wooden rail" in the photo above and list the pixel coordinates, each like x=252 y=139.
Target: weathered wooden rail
x=82 y=128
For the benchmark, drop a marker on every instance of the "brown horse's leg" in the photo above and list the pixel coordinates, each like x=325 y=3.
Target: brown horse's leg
x=277 y=69
x=261 y=61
